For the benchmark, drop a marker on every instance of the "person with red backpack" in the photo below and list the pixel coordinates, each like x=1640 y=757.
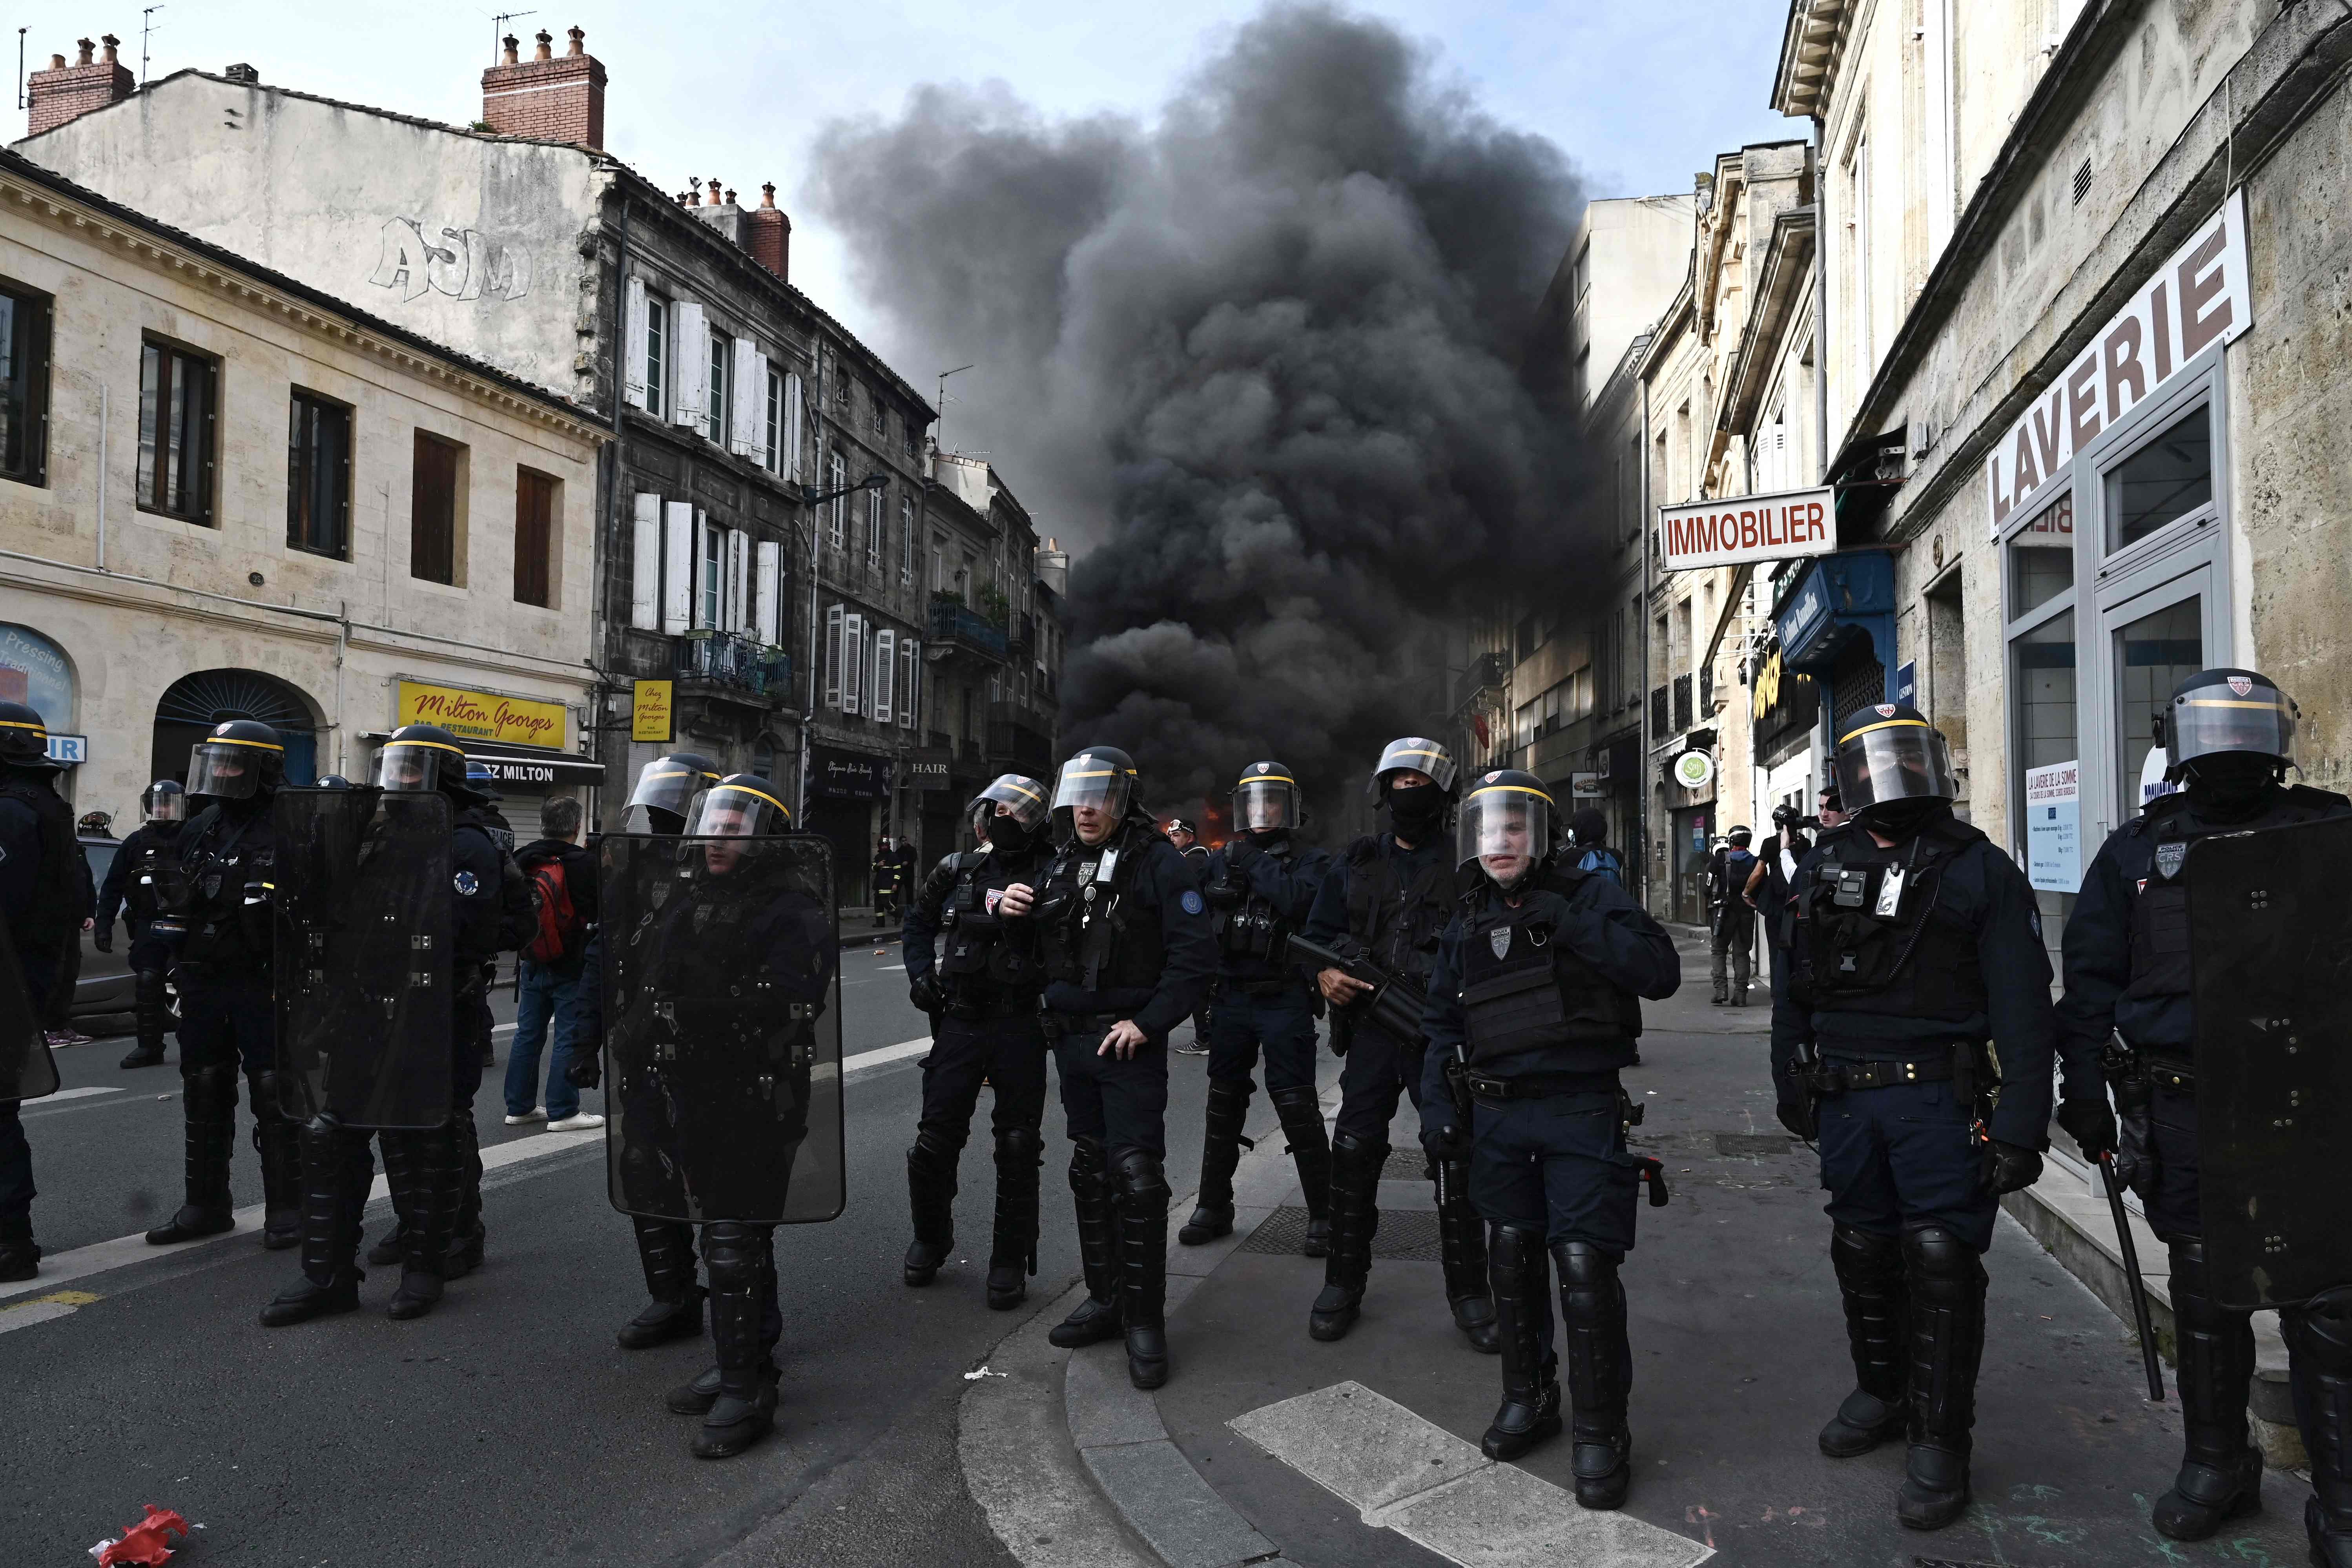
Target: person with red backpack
x=562 y=878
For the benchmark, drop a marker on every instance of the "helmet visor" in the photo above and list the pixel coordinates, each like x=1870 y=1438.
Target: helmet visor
x=1902 y=758
x=2210 y=719
x=1264 y=805
x=1505 y=828
x=1421 y=754
x=1095 y=783
x=166 y=804
x=417 y=767
x=1022 y=799
x=669 y=784
x=224 y=770
x=738 y=811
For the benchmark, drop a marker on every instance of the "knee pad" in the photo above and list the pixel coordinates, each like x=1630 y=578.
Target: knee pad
x=730 y=1250
x=1024 y=1148
x=1088 y=1159
x=933 y=1146
x=1513 y=1247
x=1139 y=1174
x=214 y=1083
x=1585 y=1267
x=1941 y=1263
x=1355 y=1145
x=268 y=1090
x=2321 y=1329
x=1864 y=1257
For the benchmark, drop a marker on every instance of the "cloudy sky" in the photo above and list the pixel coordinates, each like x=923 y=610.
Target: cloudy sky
x=1640 y=93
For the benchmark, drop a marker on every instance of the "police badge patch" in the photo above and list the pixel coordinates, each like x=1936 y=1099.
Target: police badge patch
x=1886 y=710
x=2168 y=856
x=468 y=884
x=1190 y=900
x=2242 y=685
x=1499 y=939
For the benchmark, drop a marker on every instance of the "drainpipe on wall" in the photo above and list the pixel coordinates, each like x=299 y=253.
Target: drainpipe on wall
x=1642 y=764
x=1821 y=303
x=616 y=466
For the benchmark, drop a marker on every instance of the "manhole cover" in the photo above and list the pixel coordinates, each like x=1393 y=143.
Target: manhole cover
x=1405 y=1235
x=1742 y=1143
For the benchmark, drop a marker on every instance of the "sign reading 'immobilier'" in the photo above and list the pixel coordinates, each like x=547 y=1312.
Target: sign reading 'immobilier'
x=1742 y=529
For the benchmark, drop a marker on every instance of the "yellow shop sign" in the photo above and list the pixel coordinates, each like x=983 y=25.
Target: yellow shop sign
x=650 y=718
x=481 y=716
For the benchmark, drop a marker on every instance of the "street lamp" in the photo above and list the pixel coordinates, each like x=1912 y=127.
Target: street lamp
x=873 y=481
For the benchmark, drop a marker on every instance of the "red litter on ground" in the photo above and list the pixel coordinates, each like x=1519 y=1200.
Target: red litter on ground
x=148 y=1542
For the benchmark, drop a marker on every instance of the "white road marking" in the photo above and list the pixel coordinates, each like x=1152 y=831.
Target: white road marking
x=864 y=1060
x=1400 y=1472
x=47 y=1310
x=65 y=1094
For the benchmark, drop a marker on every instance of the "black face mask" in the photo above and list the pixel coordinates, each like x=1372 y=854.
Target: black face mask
x=2229 y=784
x=1415 y=812
x=1899 y=819
x=1007 y=836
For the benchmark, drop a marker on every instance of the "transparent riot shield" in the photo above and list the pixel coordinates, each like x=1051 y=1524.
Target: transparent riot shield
x=723 y=1029
x=2270 y=934
x=28 y=1071
x=364 y=911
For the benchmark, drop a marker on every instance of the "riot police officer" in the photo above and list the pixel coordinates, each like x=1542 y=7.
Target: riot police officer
x=227 y=854
x=981 y=993
x=1260 y=886
x=1734 y=937
x=1533 y=1002
x=1922 y=944
x=130 y=890
x=1389 y=899
x=1127 y=949
x=2229 y=737
x=665 y=792
x=41 y=876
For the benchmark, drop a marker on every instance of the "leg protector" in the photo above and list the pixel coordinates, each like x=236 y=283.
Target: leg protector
x=1013 y=1253
x=1870 y=1279
x=1143 y=1266
x=930 y=1197
x=1947 y=1285
x=1355 y=1217
x=2220 y=1472
x=20 y=1257
x=1221 y=1151
x=1301 y=1111
x=1096 y=1318
x=2319 y=1366
x=1462 y=1248
x=336 y=1168
x=667 y=1250
x=1530 y=1409
x=277 y=1143
x=150 y=1014
x=1599 y=1370
x=208 y=1096
x=467 y=1231
x=420 y=1167
x=745 y=1405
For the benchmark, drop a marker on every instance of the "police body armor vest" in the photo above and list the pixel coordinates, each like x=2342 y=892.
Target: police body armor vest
x=1399 y=924
x=1247 y=924
x=1879 y=944
x=56 y=891
x=139 y=895
x=1106 y=939
x=982 y=962
x=221 y=854
x=2159 y=915
x=1524 y=991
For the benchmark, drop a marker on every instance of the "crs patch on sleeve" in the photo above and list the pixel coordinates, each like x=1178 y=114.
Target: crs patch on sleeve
x=1192 y=903
x=468 y=884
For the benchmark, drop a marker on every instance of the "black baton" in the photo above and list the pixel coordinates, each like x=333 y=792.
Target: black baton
x=2137 y=1287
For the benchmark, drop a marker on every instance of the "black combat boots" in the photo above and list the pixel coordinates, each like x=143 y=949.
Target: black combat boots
x=1221 y=1151
x=1530 y=1409
x=1869 y=1270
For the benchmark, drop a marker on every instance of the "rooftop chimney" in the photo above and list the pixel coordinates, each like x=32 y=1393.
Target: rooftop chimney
x=242 y=72
x=66 y=92
x=549 y=97
x=771 y=234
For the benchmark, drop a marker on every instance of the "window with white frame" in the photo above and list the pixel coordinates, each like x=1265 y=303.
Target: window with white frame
x=835 y=470
x=714 y=411
x=776 y=461
x=656 y=362
x=833 y=616
x=910 y=665
x=710 y=589
x=852 y=662
x=886 y=670
x=906 y=539
x=875 y=504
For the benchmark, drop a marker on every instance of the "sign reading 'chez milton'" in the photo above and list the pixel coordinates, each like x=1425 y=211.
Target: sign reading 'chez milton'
x=2198 y=297
x=482 y=715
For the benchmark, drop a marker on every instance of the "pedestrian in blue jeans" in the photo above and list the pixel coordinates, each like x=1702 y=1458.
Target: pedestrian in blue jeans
x=549 y=993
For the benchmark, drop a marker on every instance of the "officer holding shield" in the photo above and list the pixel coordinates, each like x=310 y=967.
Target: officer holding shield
x=39 y=912
x=1533 y=1006
x=130 y=888
x=2229 y=737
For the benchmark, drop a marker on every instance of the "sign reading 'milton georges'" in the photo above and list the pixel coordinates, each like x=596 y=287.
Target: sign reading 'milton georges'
x=1740 y=529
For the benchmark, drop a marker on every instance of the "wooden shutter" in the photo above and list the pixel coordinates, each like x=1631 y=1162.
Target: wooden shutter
x=853 y=662
x=910 y=665
x=645 y=565
x=677 y=567
x=689 y=336
x=633 y=379
x=795 y=407
x=747 y=387
x=739 y=581
x=767 y=594
x=886 y=653
x=534 y=538
x=833 y=629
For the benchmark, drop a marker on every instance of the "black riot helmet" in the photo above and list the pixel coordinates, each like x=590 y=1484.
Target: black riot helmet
x=421 y=758
x=666 y=790
x=1010 y=814
x=1266 y=801
x=242 y=758
x=481 y=781
x=165 y=801
x=1416 y=809
x=1101 y=778
x=1506 y=826
x=740 y=805
x=334 y=781
x=24 y=739
x=2229 y=712
x=1894 y=768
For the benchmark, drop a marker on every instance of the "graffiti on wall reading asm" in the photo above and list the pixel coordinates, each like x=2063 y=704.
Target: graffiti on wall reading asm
x=457 y=262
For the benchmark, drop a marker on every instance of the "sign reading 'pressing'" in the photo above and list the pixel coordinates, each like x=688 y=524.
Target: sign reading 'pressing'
x=1742 y=529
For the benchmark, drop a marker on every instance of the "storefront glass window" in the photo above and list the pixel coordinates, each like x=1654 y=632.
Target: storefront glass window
x=2153 y=655
x=2042 y=557
x=2162 y=482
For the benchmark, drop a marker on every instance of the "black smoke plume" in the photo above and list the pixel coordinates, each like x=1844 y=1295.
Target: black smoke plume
x=1265 y=362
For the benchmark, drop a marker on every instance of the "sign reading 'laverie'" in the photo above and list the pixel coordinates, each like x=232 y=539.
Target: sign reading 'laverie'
x=1740 y=529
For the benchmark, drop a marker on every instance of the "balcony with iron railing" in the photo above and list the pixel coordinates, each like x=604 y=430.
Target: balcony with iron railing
x=1659 y=715
x=957 y=627
x=1485 y=675
x=1019 y=739
x=1682 y=702
x=732 y=666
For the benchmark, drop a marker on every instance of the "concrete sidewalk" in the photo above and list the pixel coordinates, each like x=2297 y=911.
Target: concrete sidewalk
x=1267 y=1443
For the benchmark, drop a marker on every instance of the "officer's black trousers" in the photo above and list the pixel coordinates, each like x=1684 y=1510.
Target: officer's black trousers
x=1122 y=1103
x=1009 y=1054
x=17 y=1191
x=1897 y=1159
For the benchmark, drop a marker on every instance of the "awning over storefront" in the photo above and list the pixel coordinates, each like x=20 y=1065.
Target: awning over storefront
x=1837 y=601
x=529 y=767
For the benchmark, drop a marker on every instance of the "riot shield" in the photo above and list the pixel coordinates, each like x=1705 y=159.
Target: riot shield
x=2270 y=934
x=364 y=915
x=28 y=1071
x=723 y=1029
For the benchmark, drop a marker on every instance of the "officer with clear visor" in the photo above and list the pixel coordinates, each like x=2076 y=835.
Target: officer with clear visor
x=1506 y=829
x=1093 y=792
x=1022 y=799
x=224 y=769
x=418 y=767
x=667 y=788
x=1896 y=760
x=1265 y=805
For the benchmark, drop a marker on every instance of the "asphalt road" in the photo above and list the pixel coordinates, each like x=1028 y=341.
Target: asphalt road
x=507 y=1427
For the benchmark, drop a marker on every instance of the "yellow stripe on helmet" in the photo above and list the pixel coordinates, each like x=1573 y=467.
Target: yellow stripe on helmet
x=1884 y=724
x=20 y=724
x=2273 y=706
x=1505 y=788
x=747 y=789
x=1268 y=778
x=435 y=745
x=265 y=746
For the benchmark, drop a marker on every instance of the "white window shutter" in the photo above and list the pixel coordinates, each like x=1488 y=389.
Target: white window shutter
x=748 y=381
x=910 y=660
x=645 y=565
x=677 y=567
x=886 y=653
x=794 y=411
x=766 y=594
x=739 y=581
x=690 y=338
x=833 y=629
x=853 y=662
x=633 y=368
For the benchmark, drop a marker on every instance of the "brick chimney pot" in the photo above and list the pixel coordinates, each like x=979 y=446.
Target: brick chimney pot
x=544 y=40
x=771 y=234
x=547 y=98
x=65 y=93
